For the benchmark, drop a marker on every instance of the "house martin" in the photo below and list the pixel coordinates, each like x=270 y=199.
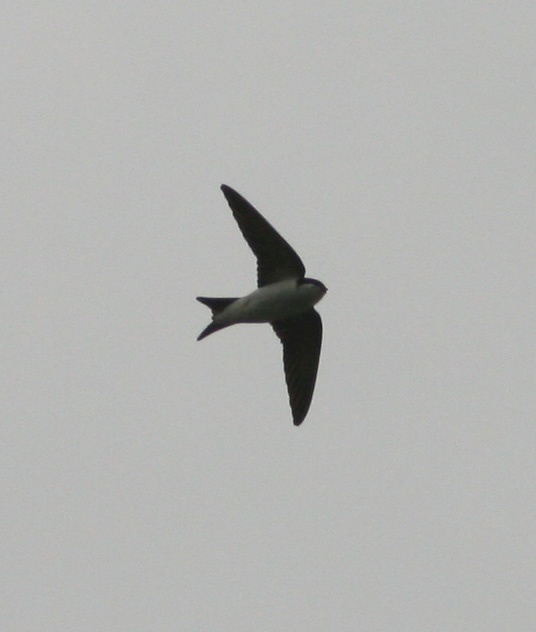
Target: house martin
x=284 y=298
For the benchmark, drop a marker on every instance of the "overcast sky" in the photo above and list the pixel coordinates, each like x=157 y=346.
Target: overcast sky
x=151 y=482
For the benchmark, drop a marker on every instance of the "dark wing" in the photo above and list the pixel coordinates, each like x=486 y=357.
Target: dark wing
x=276 y=260
x=302 y=339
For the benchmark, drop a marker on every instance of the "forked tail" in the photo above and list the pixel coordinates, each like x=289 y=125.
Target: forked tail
x=216 y=305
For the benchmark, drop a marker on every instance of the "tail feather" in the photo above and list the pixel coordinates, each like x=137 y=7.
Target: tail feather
x=210 y=329
x=216 y=305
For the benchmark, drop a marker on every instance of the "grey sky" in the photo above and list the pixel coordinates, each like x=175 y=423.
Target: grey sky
x=150 y=482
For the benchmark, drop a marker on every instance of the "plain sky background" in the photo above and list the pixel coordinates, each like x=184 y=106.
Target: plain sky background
x=150 y=482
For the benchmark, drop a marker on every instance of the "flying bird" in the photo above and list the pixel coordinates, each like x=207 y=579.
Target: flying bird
x=285 y=298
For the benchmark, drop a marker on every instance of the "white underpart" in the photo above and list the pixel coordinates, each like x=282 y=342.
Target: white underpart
x=272 y=302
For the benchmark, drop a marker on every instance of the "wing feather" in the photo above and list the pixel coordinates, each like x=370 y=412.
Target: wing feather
x=302 y=340
x=276 y=259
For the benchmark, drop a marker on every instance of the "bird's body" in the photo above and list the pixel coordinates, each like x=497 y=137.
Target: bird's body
x=276 y=301
x=285 y=299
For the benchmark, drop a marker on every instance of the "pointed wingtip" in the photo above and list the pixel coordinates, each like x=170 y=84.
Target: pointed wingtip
x=227 y=190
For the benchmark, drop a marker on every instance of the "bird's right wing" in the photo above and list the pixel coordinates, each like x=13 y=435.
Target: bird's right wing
x=276 y=259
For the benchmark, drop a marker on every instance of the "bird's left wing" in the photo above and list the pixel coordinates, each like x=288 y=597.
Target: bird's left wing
x=301 y=337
